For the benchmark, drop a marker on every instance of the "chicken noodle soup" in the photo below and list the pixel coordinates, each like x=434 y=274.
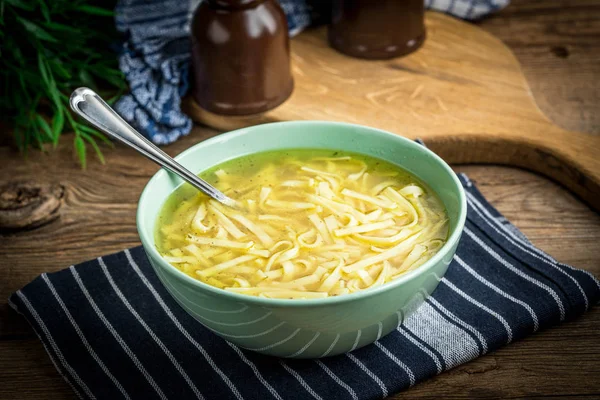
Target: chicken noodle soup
x=315 y=224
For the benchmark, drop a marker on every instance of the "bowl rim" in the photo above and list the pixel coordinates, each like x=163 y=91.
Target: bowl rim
x=152 y=252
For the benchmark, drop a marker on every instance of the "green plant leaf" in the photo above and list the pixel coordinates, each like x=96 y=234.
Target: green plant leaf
x=16 y=52
x=20 y=138
x=96 y=134
x=56 y=26
x=48 y=79
x=80 y=149
x=24 y=88
x=113 y=76
x=44 y=10
x=37 y=31
x=44 y=71
x=58 y=122
x=39 y=142
x=87 y=79
x=86 y=8
x=91 y=141
x=41 y=122
x=44 y=46
x=59 y=70
x=24 y=5
x=38 y=138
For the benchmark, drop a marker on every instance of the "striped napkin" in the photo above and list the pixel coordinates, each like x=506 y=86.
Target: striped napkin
x=113 y=331
x=155 y=57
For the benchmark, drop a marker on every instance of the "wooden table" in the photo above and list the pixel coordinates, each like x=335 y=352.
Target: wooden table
x=98 y=217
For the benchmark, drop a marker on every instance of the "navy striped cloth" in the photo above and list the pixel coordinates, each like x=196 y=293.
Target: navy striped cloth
x=156 y=55
x=113 y=331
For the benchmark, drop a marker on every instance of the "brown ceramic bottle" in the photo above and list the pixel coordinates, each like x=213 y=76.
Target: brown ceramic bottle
x=377 y=29
x=240 y=56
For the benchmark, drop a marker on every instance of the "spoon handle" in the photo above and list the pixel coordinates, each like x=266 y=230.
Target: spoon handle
x=86 y=103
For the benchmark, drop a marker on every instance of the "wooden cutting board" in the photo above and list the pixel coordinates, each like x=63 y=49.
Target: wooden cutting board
x=463 y=93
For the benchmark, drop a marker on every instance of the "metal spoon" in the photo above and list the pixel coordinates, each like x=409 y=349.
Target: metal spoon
x=86 y=103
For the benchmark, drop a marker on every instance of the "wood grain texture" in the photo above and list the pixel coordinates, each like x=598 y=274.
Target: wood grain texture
x=556 y=43
x=99 y=218
x=26 y=372
x=463 y=93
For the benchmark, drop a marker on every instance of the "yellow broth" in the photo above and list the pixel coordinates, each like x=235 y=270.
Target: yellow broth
x=314 y=223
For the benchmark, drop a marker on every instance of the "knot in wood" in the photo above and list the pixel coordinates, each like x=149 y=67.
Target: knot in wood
x=29 y=204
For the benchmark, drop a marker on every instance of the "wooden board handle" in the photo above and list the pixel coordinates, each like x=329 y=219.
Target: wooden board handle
x=569 y=158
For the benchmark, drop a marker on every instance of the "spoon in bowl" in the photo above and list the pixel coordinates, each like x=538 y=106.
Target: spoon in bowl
x=86 y=103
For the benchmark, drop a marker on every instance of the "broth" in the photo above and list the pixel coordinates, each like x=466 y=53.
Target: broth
x=316 y=223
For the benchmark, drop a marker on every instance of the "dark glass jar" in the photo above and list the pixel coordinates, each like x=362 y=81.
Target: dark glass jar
x=377 y=29
x=240 y=56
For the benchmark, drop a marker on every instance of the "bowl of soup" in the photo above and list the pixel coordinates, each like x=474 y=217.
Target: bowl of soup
x=341 y=232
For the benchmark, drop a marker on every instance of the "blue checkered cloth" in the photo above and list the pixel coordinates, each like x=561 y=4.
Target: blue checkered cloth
x=156 y=55
x=114 y=332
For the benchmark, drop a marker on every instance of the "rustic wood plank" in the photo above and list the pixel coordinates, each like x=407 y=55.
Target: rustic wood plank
x=554 y=220
x=556 y=43
x=99 y=217
x=26 y=372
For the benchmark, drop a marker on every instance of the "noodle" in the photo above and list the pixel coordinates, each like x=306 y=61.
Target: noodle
x=316 y=225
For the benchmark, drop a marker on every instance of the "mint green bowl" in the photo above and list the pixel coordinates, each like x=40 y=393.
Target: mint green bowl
x=305 y=328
